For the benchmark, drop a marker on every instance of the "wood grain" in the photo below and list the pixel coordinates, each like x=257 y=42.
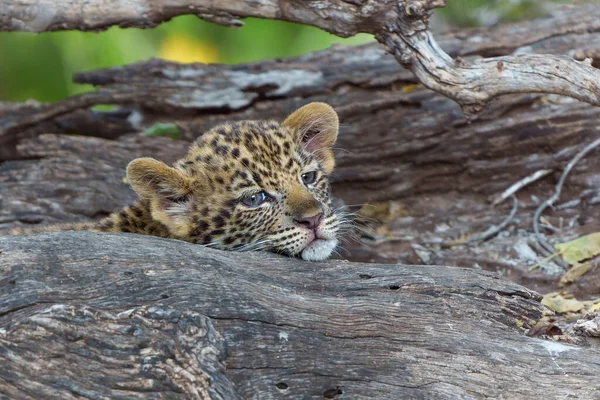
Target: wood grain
x=130 y=316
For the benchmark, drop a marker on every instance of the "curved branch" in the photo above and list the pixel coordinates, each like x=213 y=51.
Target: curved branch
x=401 y=25
x=340 y=17
x=473 y=84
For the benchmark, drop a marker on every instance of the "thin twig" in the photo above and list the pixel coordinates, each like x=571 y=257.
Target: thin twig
x=491 y=231
x=515 y=187
x=568 y=204
x=544 y=260
x=548 y=203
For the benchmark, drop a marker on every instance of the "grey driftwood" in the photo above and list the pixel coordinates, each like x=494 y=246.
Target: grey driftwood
x=124 y=316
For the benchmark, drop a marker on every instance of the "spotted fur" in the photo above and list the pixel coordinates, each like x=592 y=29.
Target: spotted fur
x=203 y=197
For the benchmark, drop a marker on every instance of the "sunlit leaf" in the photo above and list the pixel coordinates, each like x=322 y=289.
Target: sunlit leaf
x=410 y=88
x=580 y=249
x=575 y=272
x=384 y=211
x=561 y=305
x=162 y=129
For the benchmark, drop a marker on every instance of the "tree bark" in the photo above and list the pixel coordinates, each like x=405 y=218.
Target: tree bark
x=401 y=26
x=125 y=316
x=400 y=145
x=128 y=316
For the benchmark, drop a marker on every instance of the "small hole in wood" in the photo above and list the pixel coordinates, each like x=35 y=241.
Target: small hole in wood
x=128 y=273
x=394 y=287
x=554 y=330
x=365 y=276
x=164 y=296
x=331 y=393
x=282 y=386
x=12 y=282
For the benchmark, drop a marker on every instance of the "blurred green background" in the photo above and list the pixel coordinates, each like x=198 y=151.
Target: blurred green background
x=41 y=66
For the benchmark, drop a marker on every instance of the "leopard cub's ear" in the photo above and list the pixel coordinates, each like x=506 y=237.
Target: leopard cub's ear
x=155 y=180
x=316 y=126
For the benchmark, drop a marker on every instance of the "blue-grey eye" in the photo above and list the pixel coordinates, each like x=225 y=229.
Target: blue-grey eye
x=309 y=177
x=254 y=200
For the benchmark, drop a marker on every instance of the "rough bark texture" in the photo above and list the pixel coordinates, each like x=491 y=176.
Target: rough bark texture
x=399 y=142
x=85 y=314
x=131 y=316
x=402 y=26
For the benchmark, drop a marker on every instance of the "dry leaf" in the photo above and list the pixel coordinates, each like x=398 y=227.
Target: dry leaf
x=575 y=272
x=384 y=212
x=545 y=327
x=562 y=305
x=580 y=249
x=410 y=88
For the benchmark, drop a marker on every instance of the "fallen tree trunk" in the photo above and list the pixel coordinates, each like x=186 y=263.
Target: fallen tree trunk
x=128 y=316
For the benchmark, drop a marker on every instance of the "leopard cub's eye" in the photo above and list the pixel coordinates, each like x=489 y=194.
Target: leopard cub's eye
x=309 y=177
x=254 y=200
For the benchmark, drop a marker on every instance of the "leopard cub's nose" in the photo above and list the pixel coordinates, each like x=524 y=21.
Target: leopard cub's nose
x=309 y=222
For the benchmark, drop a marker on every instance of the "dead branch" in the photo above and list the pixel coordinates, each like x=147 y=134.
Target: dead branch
x=401 y=26
x=491 y=231
x=550 y=201
x=514 y=188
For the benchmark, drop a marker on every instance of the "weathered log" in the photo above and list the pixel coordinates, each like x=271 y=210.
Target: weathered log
x=215 y=89
x=124 y=316
x=130 y=316
x=402 y=26
x=398 y=142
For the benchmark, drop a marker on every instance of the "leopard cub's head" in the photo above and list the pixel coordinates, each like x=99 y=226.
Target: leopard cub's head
x=251 y=185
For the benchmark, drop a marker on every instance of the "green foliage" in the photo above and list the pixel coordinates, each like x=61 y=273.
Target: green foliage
x=41 y=66
x=488 y=12
x=163 y=129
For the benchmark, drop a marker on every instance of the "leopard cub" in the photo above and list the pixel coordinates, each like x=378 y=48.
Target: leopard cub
x=247 y=185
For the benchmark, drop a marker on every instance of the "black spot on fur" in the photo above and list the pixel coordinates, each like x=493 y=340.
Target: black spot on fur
x=231 y=203
x=219 y=221
x=203 y=226
x=222 y=150
x=225 y=214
